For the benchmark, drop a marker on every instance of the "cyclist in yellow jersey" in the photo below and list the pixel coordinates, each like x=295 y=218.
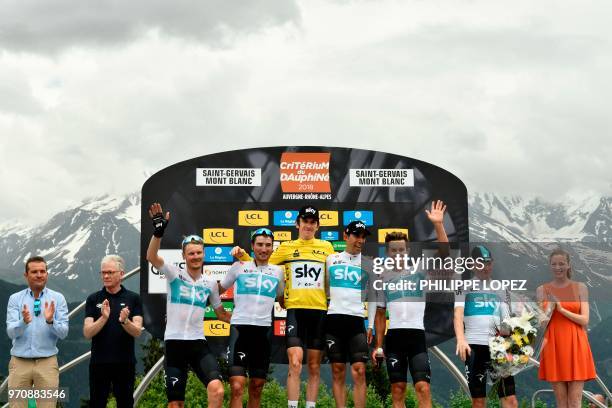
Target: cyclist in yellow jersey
x=305 y=300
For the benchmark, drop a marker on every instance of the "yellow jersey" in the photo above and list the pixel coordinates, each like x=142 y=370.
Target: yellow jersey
x=304 y=264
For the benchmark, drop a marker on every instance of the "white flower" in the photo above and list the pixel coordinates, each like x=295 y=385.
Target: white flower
x=528 y=350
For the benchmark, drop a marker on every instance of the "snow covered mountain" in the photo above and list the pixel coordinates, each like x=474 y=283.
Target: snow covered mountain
x=73 y=242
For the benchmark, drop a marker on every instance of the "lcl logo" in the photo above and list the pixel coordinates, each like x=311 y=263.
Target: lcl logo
x=328 y=218
x=252 y=218
x=218 y=236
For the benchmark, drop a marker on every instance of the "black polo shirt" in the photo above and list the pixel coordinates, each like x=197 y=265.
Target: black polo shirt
x=112 y=344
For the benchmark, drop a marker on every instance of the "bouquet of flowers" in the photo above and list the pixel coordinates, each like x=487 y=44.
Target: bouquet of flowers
x=516 y=339
x=513 y=344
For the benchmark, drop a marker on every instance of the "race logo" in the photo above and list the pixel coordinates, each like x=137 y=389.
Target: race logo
x=212 y=177
x=345 y=276
x=329 y=235
x=216 y=236
x=216 y=328
x=339 y=246
x=305 y=172
x=307 y=275
x=218 y=254
x=381 y=178
x=217 y=272
x=157 y=280
x=282 y=235
x=367 y=217
x=328 y=218
x=382 y=233
x=285 y=218
x=279 y=327
x=256 y=284
x=209 y=312
x=253 y=218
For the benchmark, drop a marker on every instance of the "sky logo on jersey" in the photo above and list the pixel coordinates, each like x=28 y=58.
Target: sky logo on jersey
x=382 y=233
x=330 y=235
x=328 y=218
x=285 y=218
x=216 y=328
x=217 y=236
x=345 y=276
x=367 y=217
x=184 y=293
x=307 y=275
x=218 y=254
x=282 y=235
x=253 y=218
x=481 y=304
x=279 y=327
x=209 y=312
x=256 y=284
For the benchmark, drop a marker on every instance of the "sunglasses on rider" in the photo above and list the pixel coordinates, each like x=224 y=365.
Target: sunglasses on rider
x=261 y=231
x=192 y=239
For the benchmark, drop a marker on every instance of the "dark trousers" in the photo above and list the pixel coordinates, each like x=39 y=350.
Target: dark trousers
x=120 y=376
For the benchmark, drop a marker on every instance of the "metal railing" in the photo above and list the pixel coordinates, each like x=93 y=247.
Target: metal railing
x=452 y=368
x=146 y=380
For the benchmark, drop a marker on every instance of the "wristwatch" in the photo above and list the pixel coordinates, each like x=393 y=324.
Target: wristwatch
x=49 y=322
x=124 y=321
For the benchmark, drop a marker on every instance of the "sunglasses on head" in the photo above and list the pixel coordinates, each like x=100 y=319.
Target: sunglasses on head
x=36 y=307
x=261 y=231
x=192 y=239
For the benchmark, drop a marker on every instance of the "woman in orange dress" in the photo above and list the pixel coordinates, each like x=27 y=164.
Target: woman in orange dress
x=566 y=360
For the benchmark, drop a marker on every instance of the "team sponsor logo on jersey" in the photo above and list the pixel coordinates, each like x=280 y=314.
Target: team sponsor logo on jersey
x=216 y=328
x=212 y=177
x=209 y=312
x=253 y=218
x=285 y=218
x=279 y=311
x=296 y=253
x=382 y=233
x=256 y=284
x=330 y=235
x=339 y=246
x=279 y=327
x=367 y=217
x=307 y=275
x=381 y=178
x=328 y=218
x=217 y=236
x=282 y=235
x=217 y=272
x=305 y=172
x=218 y=254
x=479 y=304
x=188 y=294
x=345 y=276
x=157 y=280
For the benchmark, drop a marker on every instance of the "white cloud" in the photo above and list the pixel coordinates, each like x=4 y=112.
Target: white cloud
x=510 y=99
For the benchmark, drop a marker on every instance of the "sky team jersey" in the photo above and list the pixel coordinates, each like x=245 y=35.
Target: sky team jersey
x=185 y=303
x=255 y=289
x=406 y=307
x=348 y=280
x=482 y=311
x=304 y=263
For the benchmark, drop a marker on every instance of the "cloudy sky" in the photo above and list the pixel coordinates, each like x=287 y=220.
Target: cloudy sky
x=511 y=97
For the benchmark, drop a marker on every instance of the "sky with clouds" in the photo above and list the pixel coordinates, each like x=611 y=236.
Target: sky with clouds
x=510 y=97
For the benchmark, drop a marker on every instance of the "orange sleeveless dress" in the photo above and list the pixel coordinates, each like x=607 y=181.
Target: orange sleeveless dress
x=566 y=355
